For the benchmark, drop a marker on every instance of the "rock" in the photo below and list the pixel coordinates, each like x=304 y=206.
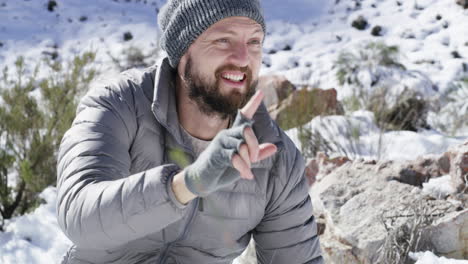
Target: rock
x=456 y=55
x=459 y=166
x=360 y=23
x=51 y=5
x=418 y=171
x=376 y=31
x=449 y=235
x=287 y=48
x=276 y=88
x=444 y=163
x=463 y=3
x=321 y=166
x=127 y=36
x=310 y=103
x=365 y=206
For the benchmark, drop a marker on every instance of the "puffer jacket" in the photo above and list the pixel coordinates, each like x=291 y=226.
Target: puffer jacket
x=116 y=205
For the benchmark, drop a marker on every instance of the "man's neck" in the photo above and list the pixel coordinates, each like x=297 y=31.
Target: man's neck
x=194 y=121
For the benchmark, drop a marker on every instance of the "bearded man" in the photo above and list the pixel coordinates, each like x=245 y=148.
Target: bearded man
x=181 y=163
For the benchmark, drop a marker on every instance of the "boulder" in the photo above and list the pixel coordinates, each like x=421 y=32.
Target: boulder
x=276 y=88
x=458 y=157
x=366 y=205
x=360 y=23
x=321 y=165
x=310 y=103
x=450 y=235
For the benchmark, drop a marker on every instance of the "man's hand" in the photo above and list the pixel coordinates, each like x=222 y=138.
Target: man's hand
x=251 y=152
x=228 y=157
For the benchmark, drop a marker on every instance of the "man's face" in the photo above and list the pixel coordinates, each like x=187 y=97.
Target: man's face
x=221 y=67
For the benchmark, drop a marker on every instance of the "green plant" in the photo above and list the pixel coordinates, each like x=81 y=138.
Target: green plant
x=34 y=116
x=370 y=56
x=452 y=117
x=376 y=60
x=133 y=57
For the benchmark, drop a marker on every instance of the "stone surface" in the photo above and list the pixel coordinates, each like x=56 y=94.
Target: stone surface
x=276 y=88
x=321 y=165
x=459 y=166
x=450 y=235
x=310 y=103
x=357 y=201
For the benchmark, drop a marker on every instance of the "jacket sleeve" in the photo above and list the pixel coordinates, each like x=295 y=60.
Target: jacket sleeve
x=288 y=231
x=100 y=205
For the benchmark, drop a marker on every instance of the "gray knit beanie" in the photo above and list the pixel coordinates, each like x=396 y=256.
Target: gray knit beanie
x=182 y=21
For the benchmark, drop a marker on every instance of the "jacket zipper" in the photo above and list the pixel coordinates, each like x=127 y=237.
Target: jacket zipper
x=198 y=205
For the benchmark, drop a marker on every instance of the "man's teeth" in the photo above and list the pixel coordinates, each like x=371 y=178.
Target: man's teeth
x=233 y=77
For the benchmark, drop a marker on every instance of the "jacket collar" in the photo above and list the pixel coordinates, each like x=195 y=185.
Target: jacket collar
x=164 y=104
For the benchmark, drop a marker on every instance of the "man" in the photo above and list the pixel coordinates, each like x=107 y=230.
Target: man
x=124 y=192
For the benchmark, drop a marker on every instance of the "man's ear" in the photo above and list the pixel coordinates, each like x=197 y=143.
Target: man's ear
x=182 y=64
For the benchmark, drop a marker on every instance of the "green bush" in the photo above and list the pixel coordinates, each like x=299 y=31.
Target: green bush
x=34 y=115
x=452 y=117
x=408 y=113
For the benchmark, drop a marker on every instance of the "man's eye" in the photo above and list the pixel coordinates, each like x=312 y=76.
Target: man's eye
x=223 y=40
x=255 y=42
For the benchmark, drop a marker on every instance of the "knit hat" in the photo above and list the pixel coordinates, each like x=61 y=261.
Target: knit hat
x=183 y=21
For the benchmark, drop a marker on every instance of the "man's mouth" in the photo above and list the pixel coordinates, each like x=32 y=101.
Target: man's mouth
x=238 y=78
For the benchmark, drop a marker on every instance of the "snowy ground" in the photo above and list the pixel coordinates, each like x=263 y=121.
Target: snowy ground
x=304 y=40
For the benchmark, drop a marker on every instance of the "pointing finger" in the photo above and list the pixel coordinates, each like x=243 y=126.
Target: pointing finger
x=251 y=107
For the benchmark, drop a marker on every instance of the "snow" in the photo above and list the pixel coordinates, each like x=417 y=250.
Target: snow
x=34 y=238
x=429 y=258
x=357 y=136
x=304 y=40
x=439 y=187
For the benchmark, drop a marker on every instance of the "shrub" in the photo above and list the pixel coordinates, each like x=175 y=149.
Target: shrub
x=452 y=116
x=393 y=109
x=34 y=115
x=133 y=57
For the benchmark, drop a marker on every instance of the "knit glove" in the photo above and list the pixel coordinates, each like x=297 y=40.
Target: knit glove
x=213 y=169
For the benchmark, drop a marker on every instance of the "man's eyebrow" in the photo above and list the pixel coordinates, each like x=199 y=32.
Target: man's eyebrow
x=232 y=32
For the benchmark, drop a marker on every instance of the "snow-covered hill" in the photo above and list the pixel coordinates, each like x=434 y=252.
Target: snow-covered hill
x=304 y=41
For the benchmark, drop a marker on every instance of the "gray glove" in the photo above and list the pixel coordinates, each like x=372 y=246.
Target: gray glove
x=213 y=169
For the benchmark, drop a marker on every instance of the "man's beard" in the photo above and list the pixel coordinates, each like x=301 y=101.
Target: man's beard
x=208 y=97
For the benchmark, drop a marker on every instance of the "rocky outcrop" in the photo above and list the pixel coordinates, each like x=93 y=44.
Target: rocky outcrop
x=363 y=207
x=450 y=235
x=458 y=160
x=284 y=101
x=276 y=89
x=310 y=103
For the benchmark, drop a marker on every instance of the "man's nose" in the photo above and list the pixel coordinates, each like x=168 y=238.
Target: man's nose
x=240 y=55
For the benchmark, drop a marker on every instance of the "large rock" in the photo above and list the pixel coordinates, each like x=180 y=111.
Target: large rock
x=450 y=235
x=458 y=157
x=276 y=89
x=363 y=204
x=309 y=103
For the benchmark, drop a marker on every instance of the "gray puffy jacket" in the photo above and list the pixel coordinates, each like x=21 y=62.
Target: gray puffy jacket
x=114 y=197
